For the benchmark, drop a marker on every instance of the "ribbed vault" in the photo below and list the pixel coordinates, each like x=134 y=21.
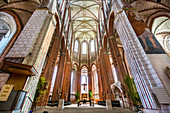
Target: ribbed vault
x=84 y=20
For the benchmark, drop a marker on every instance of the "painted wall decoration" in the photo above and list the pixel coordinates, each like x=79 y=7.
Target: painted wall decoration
x=146 y=38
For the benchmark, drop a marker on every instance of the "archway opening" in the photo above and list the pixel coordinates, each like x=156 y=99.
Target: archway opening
x=84 y=83
x=73 y=83
x=161 y=30
x=95 y=84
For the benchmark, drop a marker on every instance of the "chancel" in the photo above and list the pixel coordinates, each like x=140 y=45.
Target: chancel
x=84 y=56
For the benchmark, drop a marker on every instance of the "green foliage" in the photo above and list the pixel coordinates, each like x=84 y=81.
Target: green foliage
x=77 y=95
x=132 y=90
x=90 y=94
x=40 y=85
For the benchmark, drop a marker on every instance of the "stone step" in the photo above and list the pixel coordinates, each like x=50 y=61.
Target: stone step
x=83 y=110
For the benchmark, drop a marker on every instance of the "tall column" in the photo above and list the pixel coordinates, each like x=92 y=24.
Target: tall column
x=59 y=78
x=108 y=66
x=67 y=74
x=79 y=79
x=110 y=75
x=104 y=75
x=90 y=78
x=117 y=56
x=143 y=58
x=49 y=69
x=69 y=83
x=99 y=82
x=31 y=46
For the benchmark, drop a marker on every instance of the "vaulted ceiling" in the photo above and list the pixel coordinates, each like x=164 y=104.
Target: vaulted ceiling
x=84 y=16
x=84 y=20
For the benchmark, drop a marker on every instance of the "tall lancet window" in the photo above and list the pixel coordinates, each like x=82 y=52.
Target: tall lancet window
x=84 y=48
x=84 y=80
x=92 y=46
x=76 y=46
x=73 y=83
x=95 y=85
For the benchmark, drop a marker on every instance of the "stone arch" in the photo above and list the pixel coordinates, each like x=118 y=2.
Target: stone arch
x=62 y=43
x=75 y=64
x=93 y=64
x=111 y=24
x=117 y=86
x=84 y=65
x=57 y=25
x=153 y=16
x=161 y=31
x=105 y=43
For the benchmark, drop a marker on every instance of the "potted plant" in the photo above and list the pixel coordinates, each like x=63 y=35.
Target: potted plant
x=90 y=95
x=77 y=95
x=132 y=91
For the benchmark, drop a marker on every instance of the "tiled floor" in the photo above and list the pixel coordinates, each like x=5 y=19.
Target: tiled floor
x=83 y=109
x=84 y=106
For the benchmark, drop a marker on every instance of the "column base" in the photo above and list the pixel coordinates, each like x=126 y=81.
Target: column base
x=151 y=111
x=61 y=105
x=108 y=104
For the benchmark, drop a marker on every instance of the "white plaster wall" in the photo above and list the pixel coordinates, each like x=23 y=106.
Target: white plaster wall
x=159 y=62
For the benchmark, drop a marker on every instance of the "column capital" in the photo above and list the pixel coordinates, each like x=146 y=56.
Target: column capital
x=112 y=37
x=55 y=37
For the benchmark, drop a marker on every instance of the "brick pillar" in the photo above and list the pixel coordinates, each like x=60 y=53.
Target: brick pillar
x=117 y=56
x=69 y=83
x=108 y=66
x=32 y=45
x=99 y=82
x=49 y=69
x=79 y=79
x=143 y=59
x=90 y=78
x=109 y=77
x=67 y=74
x=59 y=78
x=104 y=75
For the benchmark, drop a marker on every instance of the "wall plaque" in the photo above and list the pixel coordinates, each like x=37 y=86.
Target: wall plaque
x=5 y=92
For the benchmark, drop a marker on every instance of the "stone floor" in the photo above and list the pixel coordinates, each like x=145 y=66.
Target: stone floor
x=83 y=109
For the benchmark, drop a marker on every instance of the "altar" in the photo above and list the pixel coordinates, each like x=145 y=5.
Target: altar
x=84 y=96
x=91 y=103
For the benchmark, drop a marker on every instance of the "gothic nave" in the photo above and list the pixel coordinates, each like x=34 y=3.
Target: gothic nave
x=110 y=53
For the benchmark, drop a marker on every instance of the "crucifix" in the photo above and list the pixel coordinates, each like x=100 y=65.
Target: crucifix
x=84 y=85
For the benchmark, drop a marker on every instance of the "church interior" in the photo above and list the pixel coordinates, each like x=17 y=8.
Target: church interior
x=114 y=54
